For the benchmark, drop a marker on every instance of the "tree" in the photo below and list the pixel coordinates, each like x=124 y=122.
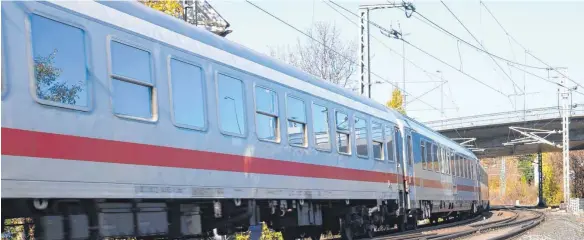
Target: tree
x=334 y=63
x=525 y=165
x=47 y=87
x=170 y=7
x=397 y=101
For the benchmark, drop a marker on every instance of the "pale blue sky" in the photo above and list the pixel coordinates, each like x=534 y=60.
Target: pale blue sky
x=549 y=29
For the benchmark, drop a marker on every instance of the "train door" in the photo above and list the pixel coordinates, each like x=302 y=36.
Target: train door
x=400 y=168
x=409 y=170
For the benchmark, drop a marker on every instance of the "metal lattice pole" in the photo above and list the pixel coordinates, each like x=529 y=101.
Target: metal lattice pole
x=364 y=51
x=565 y=94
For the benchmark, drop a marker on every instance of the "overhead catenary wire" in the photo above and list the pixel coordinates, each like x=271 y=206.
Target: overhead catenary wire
x=333 y=50
x=524 y=48
x=431 y=23
x=430 y=75
x=423 y=51
x=482 y=46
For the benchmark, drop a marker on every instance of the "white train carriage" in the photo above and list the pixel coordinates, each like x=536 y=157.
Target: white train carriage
x=119 y=120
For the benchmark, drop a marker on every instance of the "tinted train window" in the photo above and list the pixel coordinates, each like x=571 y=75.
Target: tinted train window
x=430 y=165
x=187 y=94
x=60 y=72
x=389 y=143
x=231 y=110
x=423 y=154
x=377 y=140
x=410 y=151
x=296 y=122
x=131 y=81
x=321 y=127
x=342 y=120
x=361 y=137
x=266 y=114
x=435 y=158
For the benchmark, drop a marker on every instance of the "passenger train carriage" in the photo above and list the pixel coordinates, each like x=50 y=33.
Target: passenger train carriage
x=118 y=120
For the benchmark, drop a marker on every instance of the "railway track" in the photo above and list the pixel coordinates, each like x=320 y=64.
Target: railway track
x=507 y=223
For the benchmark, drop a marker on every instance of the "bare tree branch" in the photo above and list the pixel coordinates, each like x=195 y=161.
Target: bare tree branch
x=320 y=61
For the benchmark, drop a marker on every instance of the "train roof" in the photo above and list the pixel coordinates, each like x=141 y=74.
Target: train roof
x=145 y=13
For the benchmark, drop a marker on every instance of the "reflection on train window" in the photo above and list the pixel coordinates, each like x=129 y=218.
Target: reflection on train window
x=187 y=94
x=343 y=144
x=321 y=127
x=266 y=114
x=60 y=71
x=361 y=137
x=435 y=158
x=131 y=81
x=296 y=122
x=409 y=150
x=451 y=160
x=430 y=165
x=423 y=154
x=389 y=143
x=231 y=111
x=377 y=140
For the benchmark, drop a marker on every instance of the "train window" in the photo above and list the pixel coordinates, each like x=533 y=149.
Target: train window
x=457 y=165
x=133 y=88
x=377 y=140
x=452 y=160
x=389 y=143
x=361 y=137
x=342 y=120
x=435 y=158
x=188 y=109
x=60 y=68
x=430 y=165
x=231 y=105
x=423 y=153
x=465 y=166
x=410 y=151
x=321 y=127
x=296 y=122
x=266 y=102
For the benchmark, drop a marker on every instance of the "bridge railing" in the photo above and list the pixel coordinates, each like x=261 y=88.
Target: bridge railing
x=500 y=118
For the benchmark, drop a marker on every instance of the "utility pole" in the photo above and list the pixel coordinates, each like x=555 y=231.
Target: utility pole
x=364 y=51
x=364 y=41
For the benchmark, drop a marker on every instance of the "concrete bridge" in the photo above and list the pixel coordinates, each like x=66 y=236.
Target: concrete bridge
x=491 y=131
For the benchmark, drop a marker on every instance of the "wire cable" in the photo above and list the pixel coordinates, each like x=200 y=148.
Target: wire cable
x=518 y=43
x=482 y=46
x=421 y=50
x=347 y=58
x=431 y=23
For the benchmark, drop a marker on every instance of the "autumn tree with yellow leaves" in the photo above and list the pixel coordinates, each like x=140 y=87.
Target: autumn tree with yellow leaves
x=170 y=7
x=397 y=101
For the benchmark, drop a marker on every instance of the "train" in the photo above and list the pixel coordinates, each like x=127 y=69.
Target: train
x=121 y=121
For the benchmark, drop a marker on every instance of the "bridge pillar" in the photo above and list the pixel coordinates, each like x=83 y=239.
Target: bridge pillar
x=541 y=202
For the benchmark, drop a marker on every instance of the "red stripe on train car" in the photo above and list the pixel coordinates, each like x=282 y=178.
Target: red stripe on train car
x=27 y=143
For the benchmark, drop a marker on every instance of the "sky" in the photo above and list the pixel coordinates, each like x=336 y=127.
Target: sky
x=547 y=29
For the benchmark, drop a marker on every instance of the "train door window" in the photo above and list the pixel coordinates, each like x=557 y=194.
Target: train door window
x=397 y=141
x=465 y=166
x=423 y=154
x=377 y=140
x=231 y=105
x=457 y=165
x=343 y=134
x=321 y=127
x=435 y=158
x=59 y=64
x=188 y=109
x=296 y=122
x=361 y=137
x=389 y=142
x=267 y=124
x=133 y=88
x=410 y=151
x=468 y=168
x=460 y=166
x=429 y=156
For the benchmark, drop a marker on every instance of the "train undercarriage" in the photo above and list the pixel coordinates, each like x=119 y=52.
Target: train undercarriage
x=213 y=218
